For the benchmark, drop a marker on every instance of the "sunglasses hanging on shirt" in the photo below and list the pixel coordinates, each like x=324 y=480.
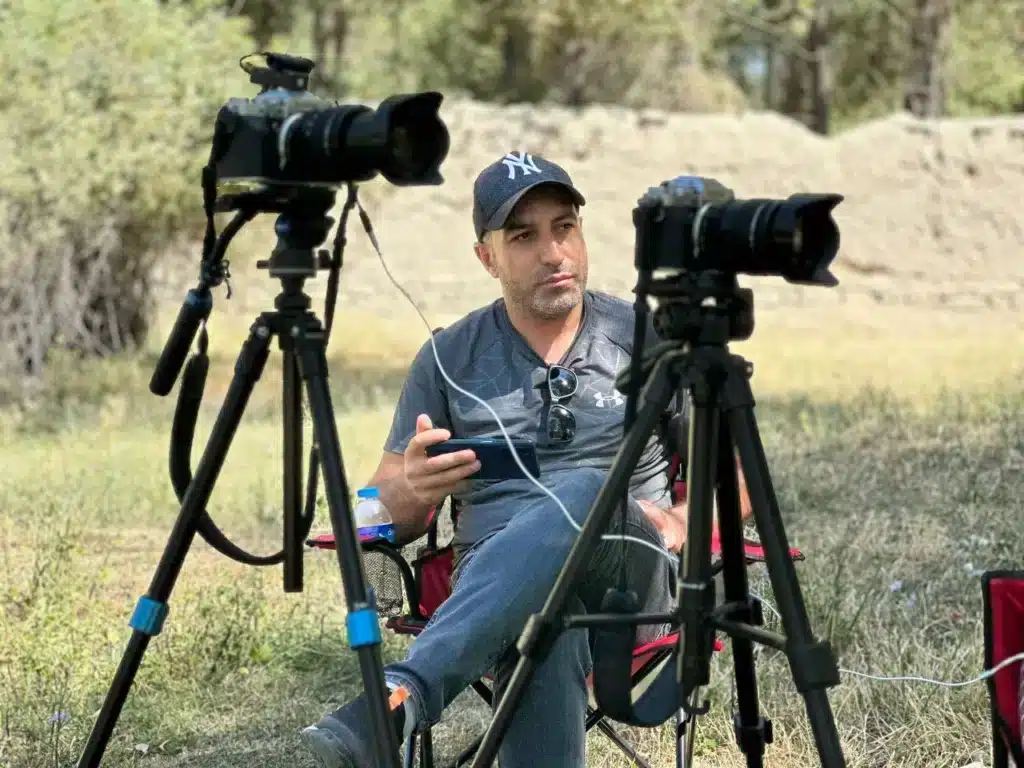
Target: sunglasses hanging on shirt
x=562 y=385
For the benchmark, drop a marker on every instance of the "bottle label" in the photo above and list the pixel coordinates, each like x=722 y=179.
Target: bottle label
x=371 y=532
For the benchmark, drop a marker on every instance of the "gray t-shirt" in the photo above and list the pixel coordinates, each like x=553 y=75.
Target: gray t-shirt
x=484 y=354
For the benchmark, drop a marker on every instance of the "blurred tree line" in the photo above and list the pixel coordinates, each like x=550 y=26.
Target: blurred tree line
x=827 y=63
x=102 y=171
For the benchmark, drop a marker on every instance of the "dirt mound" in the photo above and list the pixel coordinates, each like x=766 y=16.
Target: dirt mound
x=930 y=206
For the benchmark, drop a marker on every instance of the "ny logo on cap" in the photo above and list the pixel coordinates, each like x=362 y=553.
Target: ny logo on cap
x=523 y=162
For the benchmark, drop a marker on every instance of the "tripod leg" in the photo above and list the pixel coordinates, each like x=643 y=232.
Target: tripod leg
x=695 y=592
x=752 y=732
x=541 y=629
x=292 y=402
x=151 y=610
x=361 y=621
x=686 y=734
x=811 y=661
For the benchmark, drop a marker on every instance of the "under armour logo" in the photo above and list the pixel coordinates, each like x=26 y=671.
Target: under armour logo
x=614 y=400
x=523 y=162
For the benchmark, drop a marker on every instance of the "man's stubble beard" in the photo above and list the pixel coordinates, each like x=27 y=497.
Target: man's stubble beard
x=531 y=300
x=558 y=306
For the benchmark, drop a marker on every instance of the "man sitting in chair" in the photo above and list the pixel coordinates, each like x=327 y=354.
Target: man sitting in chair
x=545 y=358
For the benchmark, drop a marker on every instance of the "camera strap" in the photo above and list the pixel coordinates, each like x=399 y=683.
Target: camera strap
x=614 y=672
x=214 y=268
x=208 y=180
x=337 y=259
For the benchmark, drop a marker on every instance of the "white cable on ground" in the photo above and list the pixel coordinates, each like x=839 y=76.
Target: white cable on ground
x=986 y=674
x=911 y=678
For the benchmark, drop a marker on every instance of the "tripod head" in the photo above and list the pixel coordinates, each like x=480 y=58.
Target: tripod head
x=300 y=228
x=695 y=310
x=702 y=309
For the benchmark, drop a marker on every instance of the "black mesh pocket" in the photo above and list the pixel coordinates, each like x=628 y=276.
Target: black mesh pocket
x=385 y=578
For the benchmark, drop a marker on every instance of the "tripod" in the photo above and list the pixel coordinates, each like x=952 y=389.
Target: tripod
x=697 y=315
x=302 y=339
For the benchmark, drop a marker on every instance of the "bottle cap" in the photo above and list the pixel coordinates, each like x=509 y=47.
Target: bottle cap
x=368 y=493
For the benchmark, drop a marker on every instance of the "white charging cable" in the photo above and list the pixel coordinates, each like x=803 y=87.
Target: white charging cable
x=365 y=219
x=909 y=678
x=986 y=674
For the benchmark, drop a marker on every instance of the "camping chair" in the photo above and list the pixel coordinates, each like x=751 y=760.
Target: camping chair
x=1003 y=602
x=410 y=586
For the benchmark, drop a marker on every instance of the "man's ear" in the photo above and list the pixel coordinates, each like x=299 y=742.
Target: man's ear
x=485 y=253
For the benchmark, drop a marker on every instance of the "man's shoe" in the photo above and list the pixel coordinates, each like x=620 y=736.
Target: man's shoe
x=344 y=738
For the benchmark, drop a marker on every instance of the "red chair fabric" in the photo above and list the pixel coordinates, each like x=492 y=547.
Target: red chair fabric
x=1003 y=605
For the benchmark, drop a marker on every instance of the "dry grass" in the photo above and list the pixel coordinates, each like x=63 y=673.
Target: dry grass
x=915 y=354
x=916 y=486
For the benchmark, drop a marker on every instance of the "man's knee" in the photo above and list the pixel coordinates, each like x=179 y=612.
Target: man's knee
x=637 y=519
x=582 y=488
x=570 y=656
x=575 y=491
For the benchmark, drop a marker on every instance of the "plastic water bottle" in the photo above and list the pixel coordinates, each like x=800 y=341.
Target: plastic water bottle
x=372 y=518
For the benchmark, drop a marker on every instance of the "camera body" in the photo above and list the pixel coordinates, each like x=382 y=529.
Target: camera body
x=696 y=224
x=254 y=131
x=287 y=139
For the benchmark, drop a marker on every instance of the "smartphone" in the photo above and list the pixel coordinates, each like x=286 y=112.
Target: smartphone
x=495 y=457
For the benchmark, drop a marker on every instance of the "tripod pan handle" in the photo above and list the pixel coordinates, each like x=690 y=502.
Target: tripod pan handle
x=194 y=311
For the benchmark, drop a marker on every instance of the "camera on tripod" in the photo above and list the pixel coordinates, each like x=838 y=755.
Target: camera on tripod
x=695 y=233
x=287 y=138
x=696 y=224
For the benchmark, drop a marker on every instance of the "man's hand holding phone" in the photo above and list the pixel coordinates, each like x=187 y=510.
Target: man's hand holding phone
x=432 y=479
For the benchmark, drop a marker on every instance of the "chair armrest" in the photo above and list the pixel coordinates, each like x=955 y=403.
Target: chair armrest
x=394 y=552
x=752 y=550
x=326 y=540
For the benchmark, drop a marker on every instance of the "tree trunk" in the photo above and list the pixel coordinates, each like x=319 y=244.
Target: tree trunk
x=339 y=39
x=924 y=93
x=771 y=75
x=574 y=81
x=319 y=33
x=820 y=86
x=792 y=102
x=515 y=60
x=397 y=57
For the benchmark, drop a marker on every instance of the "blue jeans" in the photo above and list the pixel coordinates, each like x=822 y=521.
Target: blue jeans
x=500 y=582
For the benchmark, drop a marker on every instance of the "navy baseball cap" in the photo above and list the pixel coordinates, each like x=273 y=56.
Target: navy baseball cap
x=500 y=186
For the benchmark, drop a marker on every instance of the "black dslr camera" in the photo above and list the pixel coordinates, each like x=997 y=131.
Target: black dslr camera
x=268 y=149
x=697 y=225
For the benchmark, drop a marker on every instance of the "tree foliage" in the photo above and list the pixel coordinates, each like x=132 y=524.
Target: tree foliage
x=838 y=62
x=107 y=108
x=829 y=63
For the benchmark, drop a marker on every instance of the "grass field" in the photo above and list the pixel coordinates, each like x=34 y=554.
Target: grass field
x=899 y=497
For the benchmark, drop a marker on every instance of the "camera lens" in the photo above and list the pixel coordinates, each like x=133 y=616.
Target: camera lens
x=403 y=139
x=795 y=238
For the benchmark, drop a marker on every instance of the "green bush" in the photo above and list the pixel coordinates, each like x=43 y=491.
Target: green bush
x=107 y=108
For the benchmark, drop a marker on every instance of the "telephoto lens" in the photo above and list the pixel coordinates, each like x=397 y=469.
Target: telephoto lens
x=795 y=238
x=403 y=139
